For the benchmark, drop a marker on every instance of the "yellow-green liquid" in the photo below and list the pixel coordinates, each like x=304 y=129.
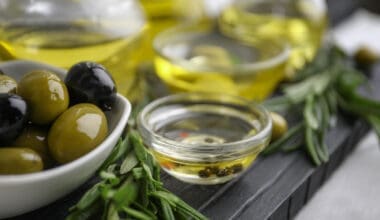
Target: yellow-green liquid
x=209 y=62
x=278 y=20
x=163 y=14
x=194 y=172
x=63 y=45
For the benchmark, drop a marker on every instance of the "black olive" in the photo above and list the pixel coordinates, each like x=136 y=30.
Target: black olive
x=13 y=117
x=89 y=82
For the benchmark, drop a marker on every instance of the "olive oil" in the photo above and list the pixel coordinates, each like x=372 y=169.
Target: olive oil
x=207 y=125
x=63 y=45
x=204 y=173
x=300 y=22
x=163 y=14
x=204 y=60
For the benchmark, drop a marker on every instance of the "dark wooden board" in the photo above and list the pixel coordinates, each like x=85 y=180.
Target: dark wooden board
x=275 y=187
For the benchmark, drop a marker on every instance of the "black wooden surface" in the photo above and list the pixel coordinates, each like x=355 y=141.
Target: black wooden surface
x=275 y=187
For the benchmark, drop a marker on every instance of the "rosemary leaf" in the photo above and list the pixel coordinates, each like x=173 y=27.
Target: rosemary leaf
x=310 y=145
x=112 y=213
x=127 y=193
x=89 y=197
x=279 y=143
x=308 y=114
x=137 y=214
x=167 y=212
x=129 y=163
x=138 y=146
x=122 y=147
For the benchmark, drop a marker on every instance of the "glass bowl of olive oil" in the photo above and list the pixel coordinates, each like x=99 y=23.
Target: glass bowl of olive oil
x=201 y=59
x=204 y=138
x=301 y=22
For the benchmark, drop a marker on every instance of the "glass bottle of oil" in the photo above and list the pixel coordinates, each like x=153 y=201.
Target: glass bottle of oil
x=65 y=32
x=300 y=22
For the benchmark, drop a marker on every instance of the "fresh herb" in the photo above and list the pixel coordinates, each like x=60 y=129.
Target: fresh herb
x=131 y=189
x=325 y=85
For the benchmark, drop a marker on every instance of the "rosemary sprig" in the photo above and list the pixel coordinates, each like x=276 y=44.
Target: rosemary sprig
x=131 y=190
x=323 y=86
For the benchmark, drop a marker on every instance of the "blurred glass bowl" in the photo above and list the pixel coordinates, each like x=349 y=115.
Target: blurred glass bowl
x=64 y=32
x=301 y=23
x=201 y=59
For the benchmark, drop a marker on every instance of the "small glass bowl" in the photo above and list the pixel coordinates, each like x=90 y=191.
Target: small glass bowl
x=201 y=59
x=204 y=138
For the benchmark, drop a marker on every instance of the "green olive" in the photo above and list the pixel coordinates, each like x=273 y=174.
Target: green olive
x=365 y=56
x=45 y=94
x=7 y=84
x=76 y=132
x=19 y=161
x=279 y=126
x=35 y=138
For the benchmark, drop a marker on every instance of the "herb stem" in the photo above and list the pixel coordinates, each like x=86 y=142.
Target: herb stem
x=310 y=145
x=278 y=144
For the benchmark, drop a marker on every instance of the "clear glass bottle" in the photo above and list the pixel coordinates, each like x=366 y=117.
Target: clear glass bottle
x=63 y=32
x=300 y=22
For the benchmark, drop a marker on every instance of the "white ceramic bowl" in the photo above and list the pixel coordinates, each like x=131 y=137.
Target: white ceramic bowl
x=23 y=193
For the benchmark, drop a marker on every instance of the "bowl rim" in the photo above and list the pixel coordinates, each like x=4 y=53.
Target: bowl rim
x=166 y=36
x=242 y=145
x=65 y=168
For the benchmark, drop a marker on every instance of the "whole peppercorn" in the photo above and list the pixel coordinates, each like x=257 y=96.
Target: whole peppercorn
x=236 y=168
x=212 y=170
x=224 y=172
x=204 y=173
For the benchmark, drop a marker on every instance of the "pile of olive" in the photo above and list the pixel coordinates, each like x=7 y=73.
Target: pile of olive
x=45 y=121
